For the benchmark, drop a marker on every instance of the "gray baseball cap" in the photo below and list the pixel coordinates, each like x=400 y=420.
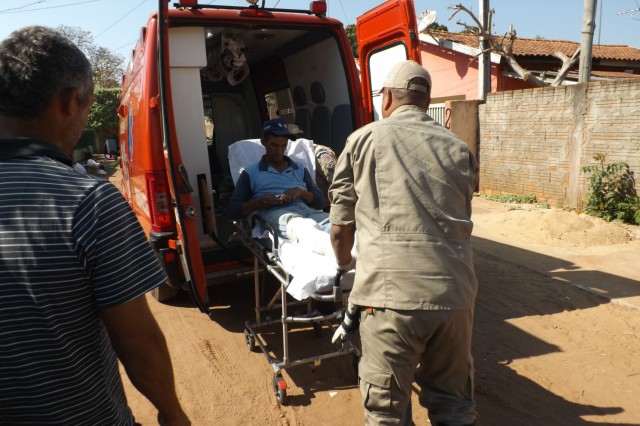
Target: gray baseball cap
x=401 y=75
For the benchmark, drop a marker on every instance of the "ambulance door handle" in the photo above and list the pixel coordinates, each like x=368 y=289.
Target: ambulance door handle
x=186 y=186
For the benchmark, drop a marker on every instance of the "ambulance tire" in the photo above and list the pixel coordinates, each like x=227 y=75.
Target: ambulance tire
x=164 y=293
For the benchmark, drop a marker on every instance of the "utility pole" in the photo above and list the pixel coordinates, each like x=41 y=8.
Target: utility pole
x=586 y=44
x=484 y=60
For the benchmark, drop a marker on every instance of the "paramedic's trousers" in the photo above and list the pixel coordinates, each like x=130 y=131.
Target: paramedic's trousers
x=436 y=346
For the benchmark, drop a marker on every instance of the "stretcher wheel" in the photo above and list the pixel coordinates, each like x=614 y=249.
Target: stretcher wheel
x=355 y=363
x=280 y=389
x=317 y=329
x=250 y=340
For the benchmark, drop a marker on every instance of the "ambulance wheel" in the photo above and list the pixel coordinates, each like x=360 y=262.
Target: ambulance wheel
x=280 y=389
x=250 y=340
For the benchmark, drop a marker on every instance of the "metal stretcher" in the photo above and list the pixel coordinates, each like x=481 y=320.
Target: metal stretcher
x=268 y=260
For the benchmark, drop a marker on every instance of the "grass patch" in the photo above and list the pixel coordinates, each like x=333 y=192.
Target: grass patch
x=513 y=198
x=517 y=199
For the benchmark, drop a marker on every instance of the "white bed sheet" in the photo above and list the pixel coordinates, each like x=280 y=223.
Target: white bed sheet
x=311 y=272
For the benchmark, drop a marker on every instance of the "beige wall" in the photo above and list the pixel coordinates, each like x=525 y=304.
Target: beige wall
x=535 y=141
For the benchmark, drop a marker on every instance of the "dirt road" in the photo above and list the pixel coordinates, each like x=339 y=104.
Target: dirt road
x=546 y=351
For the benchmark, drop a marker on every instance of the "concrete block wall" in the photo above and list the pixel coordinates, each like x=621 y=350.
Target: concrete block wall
x=535 y=141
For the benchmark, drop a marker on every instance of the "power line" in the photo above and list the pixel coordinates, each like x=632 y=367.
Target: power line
x=129 y=43
x=119 y=19
x=21 y=9
x=344 y=11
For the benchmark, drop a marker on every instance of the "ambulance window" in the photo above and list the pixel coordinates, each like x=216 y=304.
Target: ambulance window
x=280 y=104
x=208 y=119
x=379 y=66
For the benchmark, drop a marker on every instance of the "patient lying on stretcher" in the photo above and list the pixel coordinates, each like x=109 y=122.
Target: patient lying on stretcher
x=283 y=193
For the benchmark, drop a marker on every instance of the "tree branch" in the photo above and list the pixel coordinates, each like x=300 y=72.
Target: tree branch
x=459 y=7
x=502 y=47
x=567 y=64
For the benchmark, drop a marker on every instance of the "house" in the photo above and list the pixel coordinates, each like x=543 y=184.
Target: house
x=451 y=60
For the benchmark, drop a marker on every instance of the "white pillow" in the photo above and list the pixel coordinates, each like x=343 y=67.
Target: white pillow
x=246 y=152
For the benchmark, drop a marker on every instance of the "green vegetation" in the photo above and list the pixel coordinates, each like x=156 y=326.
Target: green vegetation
x=513 y=198
x=613 y=195
x=351 y=35
x=439 y=27
x=103 y=115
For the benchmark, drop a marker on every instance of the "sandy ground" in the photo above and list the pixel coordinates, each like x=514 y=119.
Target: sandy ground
x=556 y=338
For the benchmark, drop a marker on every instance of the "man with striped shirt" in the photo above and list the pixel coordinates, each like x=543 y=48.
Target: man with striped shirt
x=74 y=262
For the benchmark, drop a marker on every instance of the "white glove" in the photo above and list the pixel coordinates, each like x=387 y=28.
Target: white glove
x=347 y=267
x=349 y=324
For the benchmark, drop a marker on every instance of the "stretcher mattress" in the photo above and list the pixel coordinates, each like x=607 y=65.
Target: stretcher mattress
x=311 y=272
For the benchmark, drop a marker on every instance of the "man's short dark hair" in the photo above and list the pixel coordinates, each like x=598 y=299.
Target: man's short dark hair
x=37 y=64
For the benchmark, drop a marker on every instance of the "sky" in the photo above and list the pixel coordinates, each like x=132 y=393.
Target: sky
x=115 y=24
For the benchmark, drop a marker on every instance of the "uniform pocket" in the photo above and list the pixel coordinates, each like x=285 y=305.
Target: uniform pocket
x=375 y=388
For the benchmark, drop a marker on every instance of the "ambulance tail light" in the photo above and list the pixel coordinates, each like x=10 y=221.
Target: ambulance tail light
x=159 y=201
x=318 y=7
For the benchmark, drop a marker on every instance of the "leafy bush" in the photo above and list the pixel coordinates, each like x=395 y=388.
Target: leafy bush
x=613 y=194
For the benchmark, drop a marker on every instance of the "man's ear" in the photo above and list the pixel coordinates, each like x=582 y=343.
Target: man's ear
x=387 y=100
x=68 y=101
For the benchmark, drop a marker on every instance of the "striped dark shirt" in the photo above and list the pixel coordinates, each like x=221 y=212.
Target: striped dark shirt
x=69 y=246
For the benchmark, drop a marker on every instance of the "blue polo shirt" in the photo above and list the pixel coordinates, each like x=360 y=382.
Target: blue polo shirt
x=261 y=179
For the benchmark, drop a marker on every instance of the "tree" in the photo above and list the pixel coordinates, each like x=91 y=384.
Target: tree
x=103 y=115
x=81 y=38
x=107 y=68
x=107 y=77
x=503 y=47
x=438 y=27
x=351 y=35
x=107 y=65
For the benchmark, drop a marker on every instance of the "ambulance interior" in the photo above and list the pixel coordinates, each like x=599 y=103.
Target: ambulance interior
x=225 y=81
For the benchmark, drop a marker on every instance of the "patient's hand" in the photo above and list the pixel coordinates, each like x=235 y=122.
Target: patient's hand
x=268 y=201
x=292 y=194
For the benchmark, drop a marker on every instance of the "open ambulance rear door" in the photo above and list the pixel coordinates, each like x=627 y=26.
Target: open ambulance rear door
x=386 y=35
x=187 y=243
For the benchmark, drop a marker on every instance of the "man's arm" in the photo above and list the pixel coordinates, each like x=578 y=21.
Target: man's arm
x=342 y=239
x=142 y=349
x=241 y=203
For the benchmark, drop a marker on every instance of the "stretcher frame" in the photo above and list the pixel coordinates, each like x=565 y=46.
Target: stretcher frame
x=267 y=260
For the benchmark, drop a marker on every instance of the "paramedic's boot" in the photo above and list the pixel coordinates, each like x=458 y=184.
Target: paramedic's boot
x=349 y=324
x=307 y=233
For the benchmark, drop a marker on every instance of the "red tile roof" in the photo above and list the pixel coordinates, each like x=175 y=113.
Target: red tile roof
x=543 y=47
x=613 y=74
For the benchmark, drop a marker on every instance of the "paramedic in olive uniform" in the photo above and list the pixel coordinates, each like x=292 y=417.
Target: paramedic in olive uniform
x=405 y=184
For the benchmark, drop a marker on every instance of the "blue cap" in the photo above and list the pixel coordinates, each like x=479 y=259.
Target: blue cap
x=278 y=127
